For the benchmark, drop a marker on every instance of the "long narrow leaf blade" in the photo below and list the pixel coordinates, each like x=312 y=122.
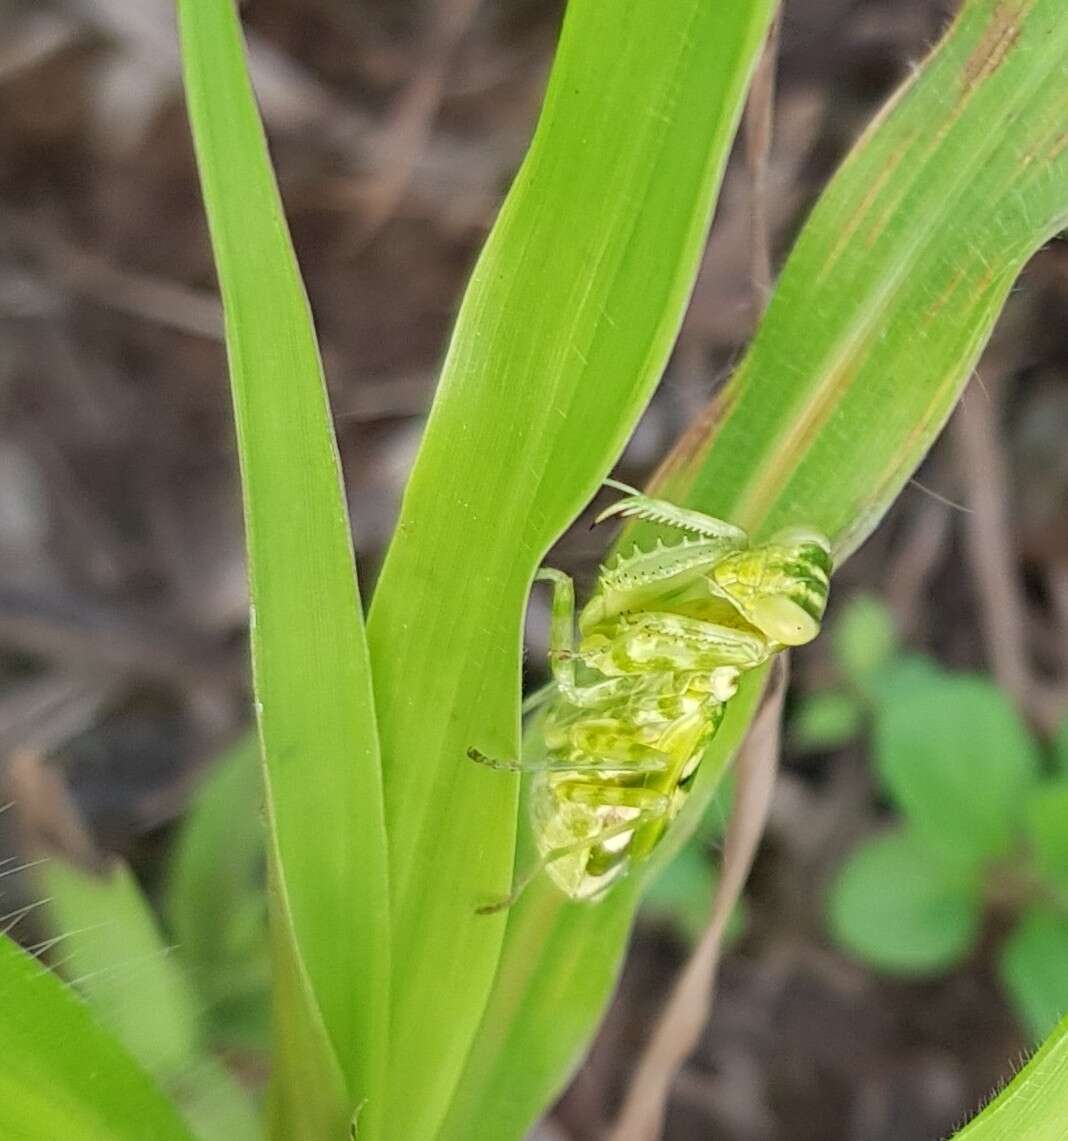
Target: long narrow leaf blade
x=62 y=1074
x=111 y=949
x=565 y=328
x=894 y=285
x=316 y=715
x=1034 y=1105
x=880 y=315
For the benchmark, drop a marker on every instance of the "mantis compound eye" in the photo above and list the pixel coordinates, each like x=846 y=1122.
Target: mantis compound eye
x=783 y=620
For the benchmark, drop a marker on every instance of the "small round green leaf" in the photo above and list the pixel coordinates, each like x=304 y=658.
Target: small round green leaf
x=959 y=762
x=826 y=721
x=1034 y=969
x=864 y=639
x=905 y=674
x=894 y=906
x=1047 y=828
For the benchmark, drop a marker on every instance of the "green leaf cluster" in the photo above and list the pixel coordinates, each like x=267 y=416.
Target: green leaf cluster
x=983 y=810
x=380 y=980
x=876 y=322
x=982 y=828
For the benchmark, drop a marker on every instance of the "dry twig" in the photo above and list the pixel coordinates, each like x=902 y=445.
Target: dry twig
x=914 y=560
x=991 y=551
x=87 y=274
x=48 y=818
x=1057 y=584
x=42 y=714
x=408 y=129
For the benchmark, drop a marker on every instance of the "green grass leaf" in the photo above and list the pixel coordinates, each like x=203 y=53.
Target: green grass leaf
x=878 y=319
x=1033 y=965
x=215 y=901
x=893 y=286
x=960 y=764
x=63 y=1076
x=326 y=847
x=898 y=909
x=564 y=331
x=1034 y=1105
x=111 y=949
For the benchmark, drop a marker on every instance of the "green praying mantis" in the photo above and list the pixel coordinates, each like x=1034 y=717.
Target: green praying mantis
x=640 y=694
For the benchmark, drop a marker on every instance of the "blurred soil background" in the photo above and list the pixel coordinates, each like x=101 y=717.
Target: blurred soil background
x=396 y=128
